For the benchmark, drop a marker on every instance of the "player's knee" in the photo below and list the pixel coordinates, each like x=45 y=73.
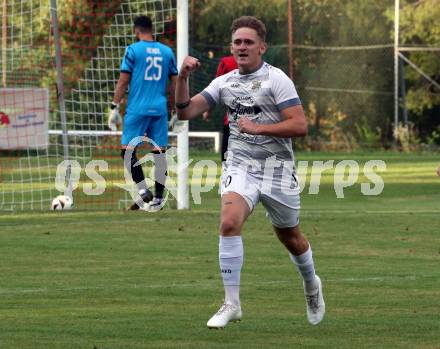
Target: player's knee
x=229 y=226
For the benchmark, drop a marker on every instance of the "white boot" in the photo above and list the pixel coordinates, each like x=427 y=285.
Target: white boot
x=226 y=313
x=315 y=304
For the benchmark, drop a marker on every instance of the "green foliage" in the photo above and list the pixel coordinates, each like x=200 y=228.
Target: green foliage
x=354 y=82
x=434 y=138
x=27 y=48
x=368 y=137
x=214 y=19
x=407 y=138
x=420 y=26
x=359 y=82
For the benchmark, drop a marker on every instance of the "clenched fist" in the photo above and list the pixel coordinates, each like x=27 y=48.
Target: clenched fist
x=189 y=64
x=247 y=126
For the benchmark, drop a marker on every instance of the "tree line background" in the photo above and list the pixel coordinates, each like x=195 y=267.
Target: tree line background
x=343 y=64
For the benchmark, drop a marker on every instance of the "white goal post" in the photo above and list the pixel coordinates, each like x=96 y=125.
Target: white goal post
x=182 y=149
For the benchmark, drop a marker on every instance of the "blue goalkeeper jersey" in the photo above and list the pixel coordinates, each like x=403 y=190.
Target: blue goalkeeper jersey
x=150 y=64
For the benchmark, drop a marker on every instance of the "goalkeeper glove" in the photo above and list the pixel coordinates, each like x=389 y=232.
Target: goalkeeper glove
x=172 y=122
x=114 y=118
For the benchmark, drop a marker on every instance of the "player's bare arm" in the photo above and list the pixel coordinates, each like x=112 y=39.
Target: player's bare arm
x=121 y=87
x=294 y=124
x=172 y=87
x=114 y=118
x=187 y=107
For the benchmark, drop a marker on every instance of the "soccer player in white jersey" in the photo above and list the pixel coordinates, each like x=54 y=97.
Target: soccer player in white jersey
x=264 y=113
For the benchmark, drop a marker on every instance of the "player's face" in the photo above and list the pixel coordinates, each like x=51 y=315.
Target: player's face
x=247 y=49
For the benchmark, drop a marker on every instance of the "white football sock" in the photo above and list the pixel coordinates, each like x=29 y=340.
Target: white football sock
x=231 y=261
x=304 y=265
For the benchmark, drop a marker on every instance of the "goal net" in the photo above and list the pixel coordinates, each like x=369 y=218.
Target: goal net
x=38 y=152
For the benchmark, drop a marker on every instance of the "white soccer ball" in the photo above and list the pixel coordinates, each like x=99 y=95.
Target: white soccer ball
x=61 y=202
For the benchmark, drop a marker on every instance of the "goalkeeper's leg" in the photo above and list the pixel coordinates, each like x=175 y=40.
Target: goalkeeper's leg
x=138 y=177
x=160 y=177
x=160 y=171
x=157 y=131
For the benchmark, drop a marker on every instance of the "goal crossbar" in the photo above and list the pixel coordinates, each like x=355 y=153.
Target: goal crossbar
x=98 y=133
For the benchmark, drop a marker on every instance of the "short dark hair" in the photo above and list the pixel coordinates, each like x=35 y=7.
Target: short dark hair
x=249 y=22
x=144 y=24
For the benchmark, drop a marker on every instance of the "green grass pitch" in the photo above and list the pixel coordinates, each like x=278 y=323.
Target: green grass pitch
x=110 y=279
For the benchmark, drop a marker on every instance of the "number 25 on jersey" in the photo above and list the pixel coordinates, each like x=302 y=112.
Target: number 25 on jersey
x=154 y=68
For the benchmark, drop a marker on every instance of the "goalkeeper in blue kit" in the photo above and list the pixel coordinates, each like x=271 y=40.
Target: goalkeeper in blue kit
x=146 y=68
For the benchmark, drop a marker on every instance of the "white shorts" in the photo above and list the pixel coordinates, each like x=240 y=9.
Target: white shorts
x=282 y=203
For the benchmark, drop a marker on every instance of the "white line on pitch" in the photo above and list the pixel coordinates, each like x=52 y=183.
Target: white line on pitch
x=207 y=284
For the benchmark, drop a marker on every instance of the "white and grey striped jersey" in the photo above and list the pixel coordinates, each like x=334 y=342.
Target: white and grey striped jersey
x=260 y=96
